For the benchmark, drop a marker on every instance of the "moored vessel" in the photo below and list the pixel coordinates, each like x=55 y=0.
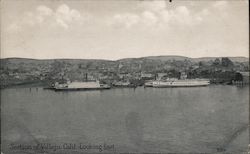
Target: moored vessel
x=181 y=83
x=122 y=84
x=89 y=85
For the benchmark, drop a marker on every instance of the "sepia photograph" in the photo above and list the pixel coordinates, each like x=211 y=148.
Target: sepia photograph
x=124 y=76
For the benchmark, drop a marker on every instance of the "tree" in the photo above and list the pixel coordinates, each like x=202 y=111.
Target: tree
x=238 y=77
x=216 y=62
x=201 y=64
x=225 y=61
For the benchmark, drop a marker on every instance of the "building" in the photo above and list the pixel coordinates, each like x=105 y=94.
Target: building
x=241 y=78
x=147 y=75
x=162 y=75
x=183 y=75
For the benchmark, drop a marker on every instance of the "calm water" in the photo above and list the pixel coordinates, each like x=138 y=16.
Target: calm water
x=178 y=120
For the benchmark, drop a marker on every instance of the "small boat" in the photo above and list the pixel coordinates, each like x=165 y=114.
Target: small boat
x=122 y=84
x=49 y=87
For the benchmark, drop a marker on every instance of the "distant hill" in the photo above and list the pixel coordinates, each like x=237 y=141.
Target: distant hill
x=182 y=58
x=234 y=59
x=153 y=58
x=28 y=60
x=166 y=58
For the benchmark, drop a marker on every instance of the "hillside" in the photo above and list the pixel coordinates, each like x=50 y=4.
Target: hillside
x=22 y=70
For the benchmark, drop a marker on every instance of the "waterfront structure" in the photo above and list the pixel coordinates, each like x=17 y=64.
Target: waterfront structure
x=123 y=84
x=147 y=76
x=241 y=78
x=161 y=75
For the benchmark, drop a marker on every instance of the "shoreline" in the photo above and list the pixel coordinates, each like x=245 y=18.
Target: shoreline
x=44 y=85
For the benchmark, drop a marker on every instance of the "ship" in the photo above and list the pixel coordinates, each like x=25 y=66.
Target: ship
x=87 y=85
x=181 y=82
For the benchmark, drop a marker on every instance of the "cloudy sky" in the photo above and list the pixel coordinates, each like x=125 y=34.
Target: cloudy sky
x=114 y=29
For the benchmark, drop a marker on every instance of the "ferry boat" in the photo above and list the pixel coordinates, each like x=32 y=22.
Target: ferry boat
x=89 y=85
x=181 y=83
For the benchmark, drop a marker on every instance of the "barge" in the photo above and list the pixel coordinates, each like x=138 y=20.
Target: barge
x=75 y=86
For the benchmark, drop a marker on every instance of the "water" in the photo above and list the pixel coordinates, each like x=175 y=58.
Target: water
x=178 y=120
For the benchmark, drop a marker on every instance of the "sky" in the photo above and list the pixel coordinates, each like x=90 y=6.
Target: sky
x=115 y=29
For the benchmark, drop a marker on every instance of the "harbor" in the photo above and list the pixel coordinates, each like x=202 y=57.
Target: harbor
x=124 y=77
x=172 y=120
x=182 y=81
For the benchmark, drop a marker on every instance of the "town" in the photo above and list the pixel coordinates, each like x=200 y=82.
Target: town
x=124 y=72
